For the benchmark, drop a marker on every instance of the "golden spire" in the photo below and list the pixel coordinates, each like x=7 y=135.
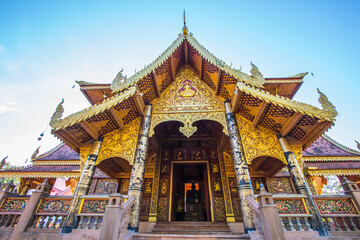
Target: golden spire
x=185 y=29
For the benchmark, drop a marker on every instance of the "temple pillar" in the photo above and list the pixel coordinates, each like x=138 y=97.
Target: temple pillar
x=301 y=185
x=138 y=170
x=26 y=187
x=241 y=169
x=82 y=187
x=155 y=190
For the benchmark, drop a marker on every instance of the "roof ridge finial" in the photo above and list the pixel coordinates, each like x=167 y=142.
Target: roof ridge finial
x=185 y=29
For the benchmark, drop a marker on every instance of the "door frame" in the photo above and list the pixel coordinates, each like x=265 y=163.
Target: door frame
x=209 y=186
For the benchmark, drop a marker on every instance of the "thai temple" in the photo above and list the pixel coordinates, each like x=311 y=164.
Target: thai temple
x=187 y=148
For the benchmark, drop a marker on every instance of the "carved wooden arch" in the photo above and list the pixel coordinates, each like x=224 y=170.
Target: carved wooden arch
x=267 y=163
x=187 y=119
x=114 y=166
x=250 y=160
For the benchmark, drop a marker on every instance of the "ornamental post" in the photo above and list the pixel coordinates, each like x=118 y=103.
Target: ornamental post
x=27 y=216
x=138 y=170
x=241 y=169
x=301 y=185
x=83 y=186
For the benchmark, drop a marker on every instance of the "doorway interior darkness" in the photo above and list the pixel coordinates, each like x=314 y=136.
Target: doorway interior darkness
x=190 y=192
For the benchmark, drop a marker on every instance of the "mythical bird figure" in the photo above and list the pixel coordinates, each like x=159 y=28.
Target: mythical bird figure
x=357 y=144
x=3 y=162
x=255 y=73
x=36 y=152
x=118 y=80
x=57 y=114
x=325 y=103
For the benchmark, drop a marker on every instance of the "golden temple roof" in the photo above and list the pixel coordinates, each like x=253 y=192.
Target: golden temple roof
x=154 y=78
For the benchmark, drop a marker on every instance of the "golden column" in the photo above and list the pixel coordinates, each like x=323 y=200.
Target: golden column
x=82 y=187
x=241 y=169
x=138 y=170
x=301 y=185
x=27 y=186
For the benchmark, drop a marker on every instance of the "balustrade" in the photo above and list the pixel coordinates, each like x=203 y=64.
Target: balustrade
x=339 y=213
x=296 y=223
x=9 y=219
x=48 y=221
x=342 y=223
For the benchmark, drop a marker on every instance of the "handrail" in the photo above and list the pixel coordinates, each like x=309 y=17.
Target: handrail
x=254 y=204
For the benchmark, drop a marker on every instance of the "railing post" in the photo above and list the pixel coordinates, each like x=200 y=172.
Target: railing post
x=27 y=215
x=352 y=189
x=112 y=218
x=269 y=216
x=7 y=190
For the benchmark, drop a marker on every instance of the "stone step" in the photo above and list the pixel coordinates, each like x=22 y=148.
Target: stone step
x=191 y=231
x=150 y=236
x=190 y=226
x=192 y=223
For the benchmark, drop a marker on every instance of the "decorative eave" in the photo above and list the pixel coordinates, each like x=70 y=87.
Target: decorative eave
x=303 y=108
x=339 y=145
x=331 y=159
x=72 y=119
x=334 y=172
x=84 y=84
x=40 y=174
x=131 y=81
x=256 y=79
x=56 y=163
x=51 y=151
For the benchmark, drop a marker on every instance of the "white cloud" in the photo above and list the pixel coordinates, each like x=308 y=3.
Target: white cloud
x=4 y=109
x=10 y=103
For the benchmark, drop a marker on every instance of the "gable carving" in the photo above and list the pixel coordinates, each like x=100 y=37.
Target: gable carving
x=188 y=100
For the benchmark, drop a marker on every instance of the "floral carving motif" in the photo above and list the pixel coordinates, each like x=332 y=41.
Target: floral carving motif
x=259 y=142
x=94 y=206
x=49 y=205
x=106 y=186
x=120 y=143
x=14 y=205
x=279 y=185
x=219 y=209
x=199 y=103
x=290 y=206
x=336 y=206
x=297 y=150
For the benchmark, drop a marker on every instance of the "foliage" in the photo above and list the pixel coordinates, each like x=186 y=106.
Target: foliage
x=333 y=186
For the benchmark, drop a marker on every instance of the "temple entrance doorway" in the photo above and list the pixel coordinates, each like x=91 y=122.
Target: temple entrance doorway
x=190 y=192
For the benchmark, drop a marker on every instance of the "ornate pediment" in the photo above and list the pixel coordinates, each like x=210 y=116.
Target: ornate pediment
x=188 y=99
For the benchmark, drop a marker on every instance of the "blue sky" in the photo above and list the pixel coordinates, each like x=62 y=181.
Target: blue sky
x=46 y=45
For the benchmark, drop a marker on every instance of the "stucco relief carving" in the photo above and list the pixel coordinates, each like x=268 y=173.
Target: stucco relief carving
x=259 y=142
x=188 y=100
x=120 y=143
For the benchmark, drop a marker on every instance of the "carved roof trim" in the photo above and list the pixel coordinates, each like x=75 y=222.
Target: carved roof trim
x=131 y=81
x=85 y=83
x=285 y=102
x=336 y=172
x=256 y=80
x=339 y=145
x=93 y=110
x=331 y=159
x=45 y=154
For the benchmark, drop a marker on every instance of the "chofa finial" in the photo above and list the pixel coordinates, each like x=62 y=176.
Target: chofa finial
x=326 y=104
x=357 y=144
x=185 y=29
x=56 y=117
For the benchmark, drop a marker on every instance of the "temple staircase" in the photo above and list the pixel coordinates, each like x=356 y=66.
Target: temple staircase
x=189 y=230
